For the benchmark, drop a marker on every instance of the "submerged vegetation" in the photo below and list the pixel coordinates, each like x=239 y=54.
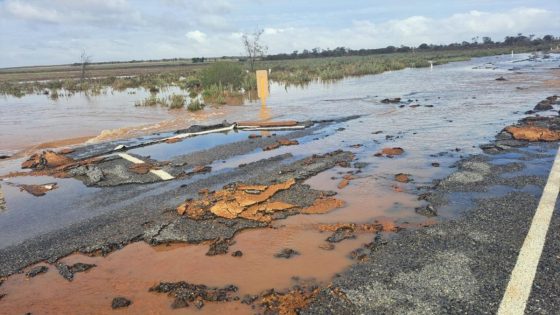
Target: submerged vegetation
x=228 y=82
x=173 y=101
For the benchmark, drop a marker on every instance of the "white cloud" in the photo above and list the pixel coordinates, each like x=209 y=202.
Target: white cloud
x=84 y=12
x=415 y=30
x=26 y=11
x=197 y=36
x=55 y=31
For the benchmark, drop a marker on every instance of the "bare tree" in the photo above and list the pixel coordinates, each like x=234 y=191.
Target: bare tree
x=254 y=48
x=85 y=60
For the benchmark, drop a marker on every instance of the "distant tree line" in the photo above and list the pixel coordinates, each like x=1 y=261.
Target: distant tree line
x=476 y=42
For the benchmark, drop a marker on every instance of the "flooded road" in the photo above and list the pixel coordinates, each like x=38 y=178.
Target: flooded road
x=458 y=109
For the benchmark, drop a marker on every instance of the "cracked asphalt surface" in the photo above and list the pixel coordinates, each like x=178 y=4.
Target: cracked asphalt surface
x=461 y=266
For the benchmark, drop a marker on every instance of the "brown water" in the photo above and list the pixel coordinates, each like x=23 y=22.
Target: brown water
x=131 y=271
x=469 y=108
x=37 y=121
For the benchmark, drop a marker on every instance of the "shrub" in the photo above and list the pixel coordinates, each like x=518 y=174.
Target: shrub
x=195 y=105
x=176 y=101
x=227 y=74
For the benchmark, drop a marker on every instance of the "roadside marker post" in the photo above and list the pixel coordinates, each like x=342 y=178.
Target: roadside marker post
x=262 y=85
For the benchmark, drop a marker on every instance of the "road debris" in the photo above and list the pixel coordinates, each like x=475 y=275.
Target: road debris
x=286 y=253
x=120 y=302
x=218 y=247
x=345 y=181
x=233 y=202
x=67 y=272
x=403 y=178
x=46 y=160
x=340 y=234
x=38 y=190
x=279 y=143
x=35 y=271
x=533 y=133
x=287 y=303
x=390 y=152
x=186 y=294
x=536 y=128
x=391 y=100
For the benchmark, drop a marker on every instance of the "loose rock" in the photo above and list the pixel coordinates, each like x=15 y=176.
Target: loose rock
x=218 y=247
x=186 y=293
x=120 y=302
x=403 y=178
x=286 y=253
x=341 y=234
x=392 y=151
x=391 y=100
x=427 y=211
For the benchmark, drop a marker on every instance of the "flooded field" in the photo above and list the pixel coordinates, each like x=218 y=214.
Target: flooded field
x=444 y=114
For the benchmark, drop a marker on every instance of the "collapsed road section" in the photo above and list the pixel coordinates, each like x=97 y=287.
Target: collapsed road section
x=108 y=164
x=129 y=213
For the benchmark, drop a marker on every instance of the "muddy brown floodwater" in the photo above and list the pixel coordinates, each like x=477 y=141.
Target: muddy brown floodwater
x=131 y=271
x=452 y=110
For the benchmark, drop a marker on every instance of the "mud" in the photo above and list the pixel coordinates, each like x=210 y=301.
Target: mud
x=287 y=303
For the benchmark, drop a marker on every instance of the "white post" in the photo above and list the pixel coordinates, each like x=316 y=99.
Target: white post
x=431 y=65
x=512 y=54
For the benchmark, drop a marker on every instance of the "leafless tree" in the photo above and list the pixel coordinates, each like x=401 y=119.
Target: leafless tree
x=85 y=60
x=254 y=48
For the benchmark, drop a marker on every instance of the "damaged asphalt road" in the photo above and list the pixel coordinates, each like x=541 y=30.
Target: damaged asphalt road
x=153 y=217
x=461 y=266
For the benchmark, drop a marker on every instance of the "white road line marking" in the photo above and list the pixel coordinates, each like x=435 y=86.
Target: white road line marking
x=190 y=134
x=523 y=274
x=160 y=173
x=130 y=158
x=254 y=128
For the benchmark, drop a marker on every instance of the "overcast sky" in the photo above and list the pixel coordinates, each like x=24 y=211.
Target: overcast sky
x=39 y=32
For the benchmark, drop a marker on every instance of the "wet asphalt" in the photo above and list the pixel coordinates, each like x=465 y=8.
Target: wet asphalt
x=461 y=266
x=153 y=218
